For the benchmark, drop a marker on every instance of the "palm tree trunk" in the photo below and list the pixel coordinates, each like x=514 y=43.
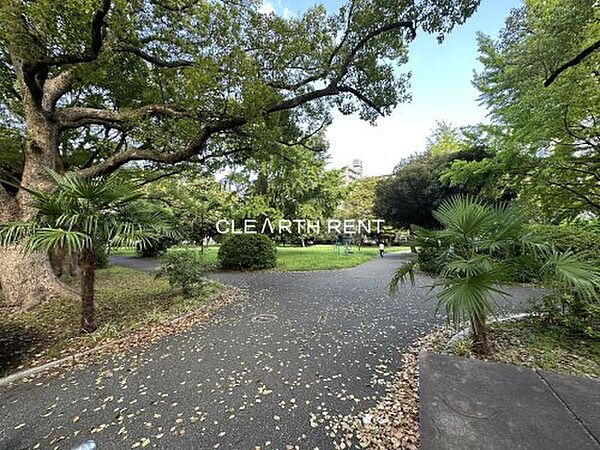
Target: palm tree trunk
x=87 y=290
x=481 y=344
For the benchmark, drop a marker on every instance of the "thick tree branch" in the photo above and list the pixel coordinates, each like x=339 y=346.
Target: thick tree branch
x=75 y=116
x=154 y=59
x=56 y=87
x=573 y=62
x=196 y=146
x=361 y=97
x=92 y=52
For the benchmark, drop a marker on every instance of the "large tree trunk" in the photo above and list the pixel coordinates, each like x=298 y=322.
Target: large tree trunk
x=87 y=290
x=26 y=279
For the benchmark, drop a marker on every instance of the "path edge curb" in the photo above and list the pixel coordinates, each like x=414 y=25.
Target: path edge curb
x=17 y=376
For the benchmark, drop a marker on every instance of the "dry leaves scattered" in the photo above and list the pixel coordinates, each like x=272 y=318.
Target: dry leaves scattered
x=393 y=423
x=146 y=335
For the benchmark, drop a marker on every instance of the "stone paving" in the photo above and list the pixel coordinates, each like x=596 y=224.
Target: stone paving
x=470 y=405
x=265 y=373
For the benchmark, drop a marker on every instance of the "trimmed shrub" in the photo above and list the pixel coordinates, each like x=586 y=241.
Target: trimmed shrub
x=185 y=270
x=247 y=251
x=100 y=257
x=155 y=247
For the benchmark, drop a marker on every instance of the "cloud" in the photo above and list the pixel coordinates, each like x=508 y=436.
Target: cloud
x=266 y=8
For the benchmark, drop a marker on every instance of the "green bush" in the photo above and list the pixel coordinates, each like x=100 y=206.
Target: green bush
x=185 y=270
x=430 y=250
x=578 y=314
x=522 y=268
x=565 y=237
x=100 y=257
x=155 y=247
x=247 y=251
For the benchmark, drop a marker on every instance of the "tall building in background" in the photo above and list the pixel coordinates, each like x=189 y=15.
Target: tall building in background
x=353 y=172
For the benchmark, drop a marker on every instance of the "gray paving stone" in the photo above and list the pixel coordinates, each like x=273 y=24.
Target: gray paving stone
x=469 y=404
x=582 y=396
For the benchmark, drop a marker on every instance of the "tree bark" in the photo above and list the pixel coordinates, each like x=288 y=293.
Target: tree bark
x=87 y=290
x=27 y=279
x=480 y=338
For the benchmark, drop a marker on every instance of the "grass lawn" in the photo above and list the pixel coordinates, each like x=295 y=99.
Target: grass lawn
x=314 y=257
x=323 y=257
x=533 y=343
x=125 y=300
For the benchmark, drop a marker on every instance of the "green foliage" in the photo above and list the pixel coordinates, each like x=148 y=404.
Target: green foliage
x=156 y=247
x=196 y=202
x=444 y=139
x=522 y=268
x=289 y=182
x=185 y=270
x=580 y=315
x=476 y=238
x=247 y=251
x=549 y=149
x=570 y=237
x=463 y=347
x=359 y=201
x=100 y=257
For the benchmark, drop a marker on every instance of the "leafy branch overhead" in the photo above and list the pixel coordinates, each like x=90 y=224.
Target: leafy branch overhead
x=181 y=79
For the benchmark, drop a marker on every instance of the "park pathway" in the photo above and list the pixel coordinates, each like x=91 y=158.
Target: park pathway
x=265 y=373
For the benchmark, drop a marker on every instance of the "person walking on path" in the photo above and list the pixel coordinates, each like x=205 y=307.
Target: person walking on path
x=381 y=249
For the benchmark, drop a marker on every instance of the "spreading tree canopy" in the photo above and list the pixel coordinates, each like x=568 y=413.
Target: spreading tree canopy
x=91 y=85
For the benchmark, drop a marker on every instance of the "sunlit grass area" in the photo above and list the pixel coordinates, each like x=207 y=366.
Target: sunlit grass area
x=314 y=257
x=323 y=257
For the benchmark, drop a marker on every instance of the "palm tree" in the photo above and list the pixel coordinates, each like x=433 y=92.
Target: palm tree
x=80 y=215
x=470 y=249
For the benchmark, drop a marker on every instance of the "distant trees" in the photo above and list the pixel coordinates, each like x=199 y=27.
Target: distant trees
x=90 y=86
x=291 y=183
x=421 y=182
x=196 y=202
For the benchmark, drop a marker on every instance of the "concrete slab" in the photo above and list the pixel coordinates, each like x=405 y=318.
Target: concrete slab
x=469 y=404
x=581 y=395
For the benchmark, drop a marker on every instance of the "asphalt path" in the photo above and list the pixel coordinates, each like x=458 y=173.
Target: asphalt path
x=267 y=373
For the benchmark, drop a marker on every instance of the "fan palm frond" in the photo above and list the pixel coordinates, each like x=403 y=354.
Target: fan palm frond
x=16 y=232
x=574 y=272
x=47 y=238
x=404 y=272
